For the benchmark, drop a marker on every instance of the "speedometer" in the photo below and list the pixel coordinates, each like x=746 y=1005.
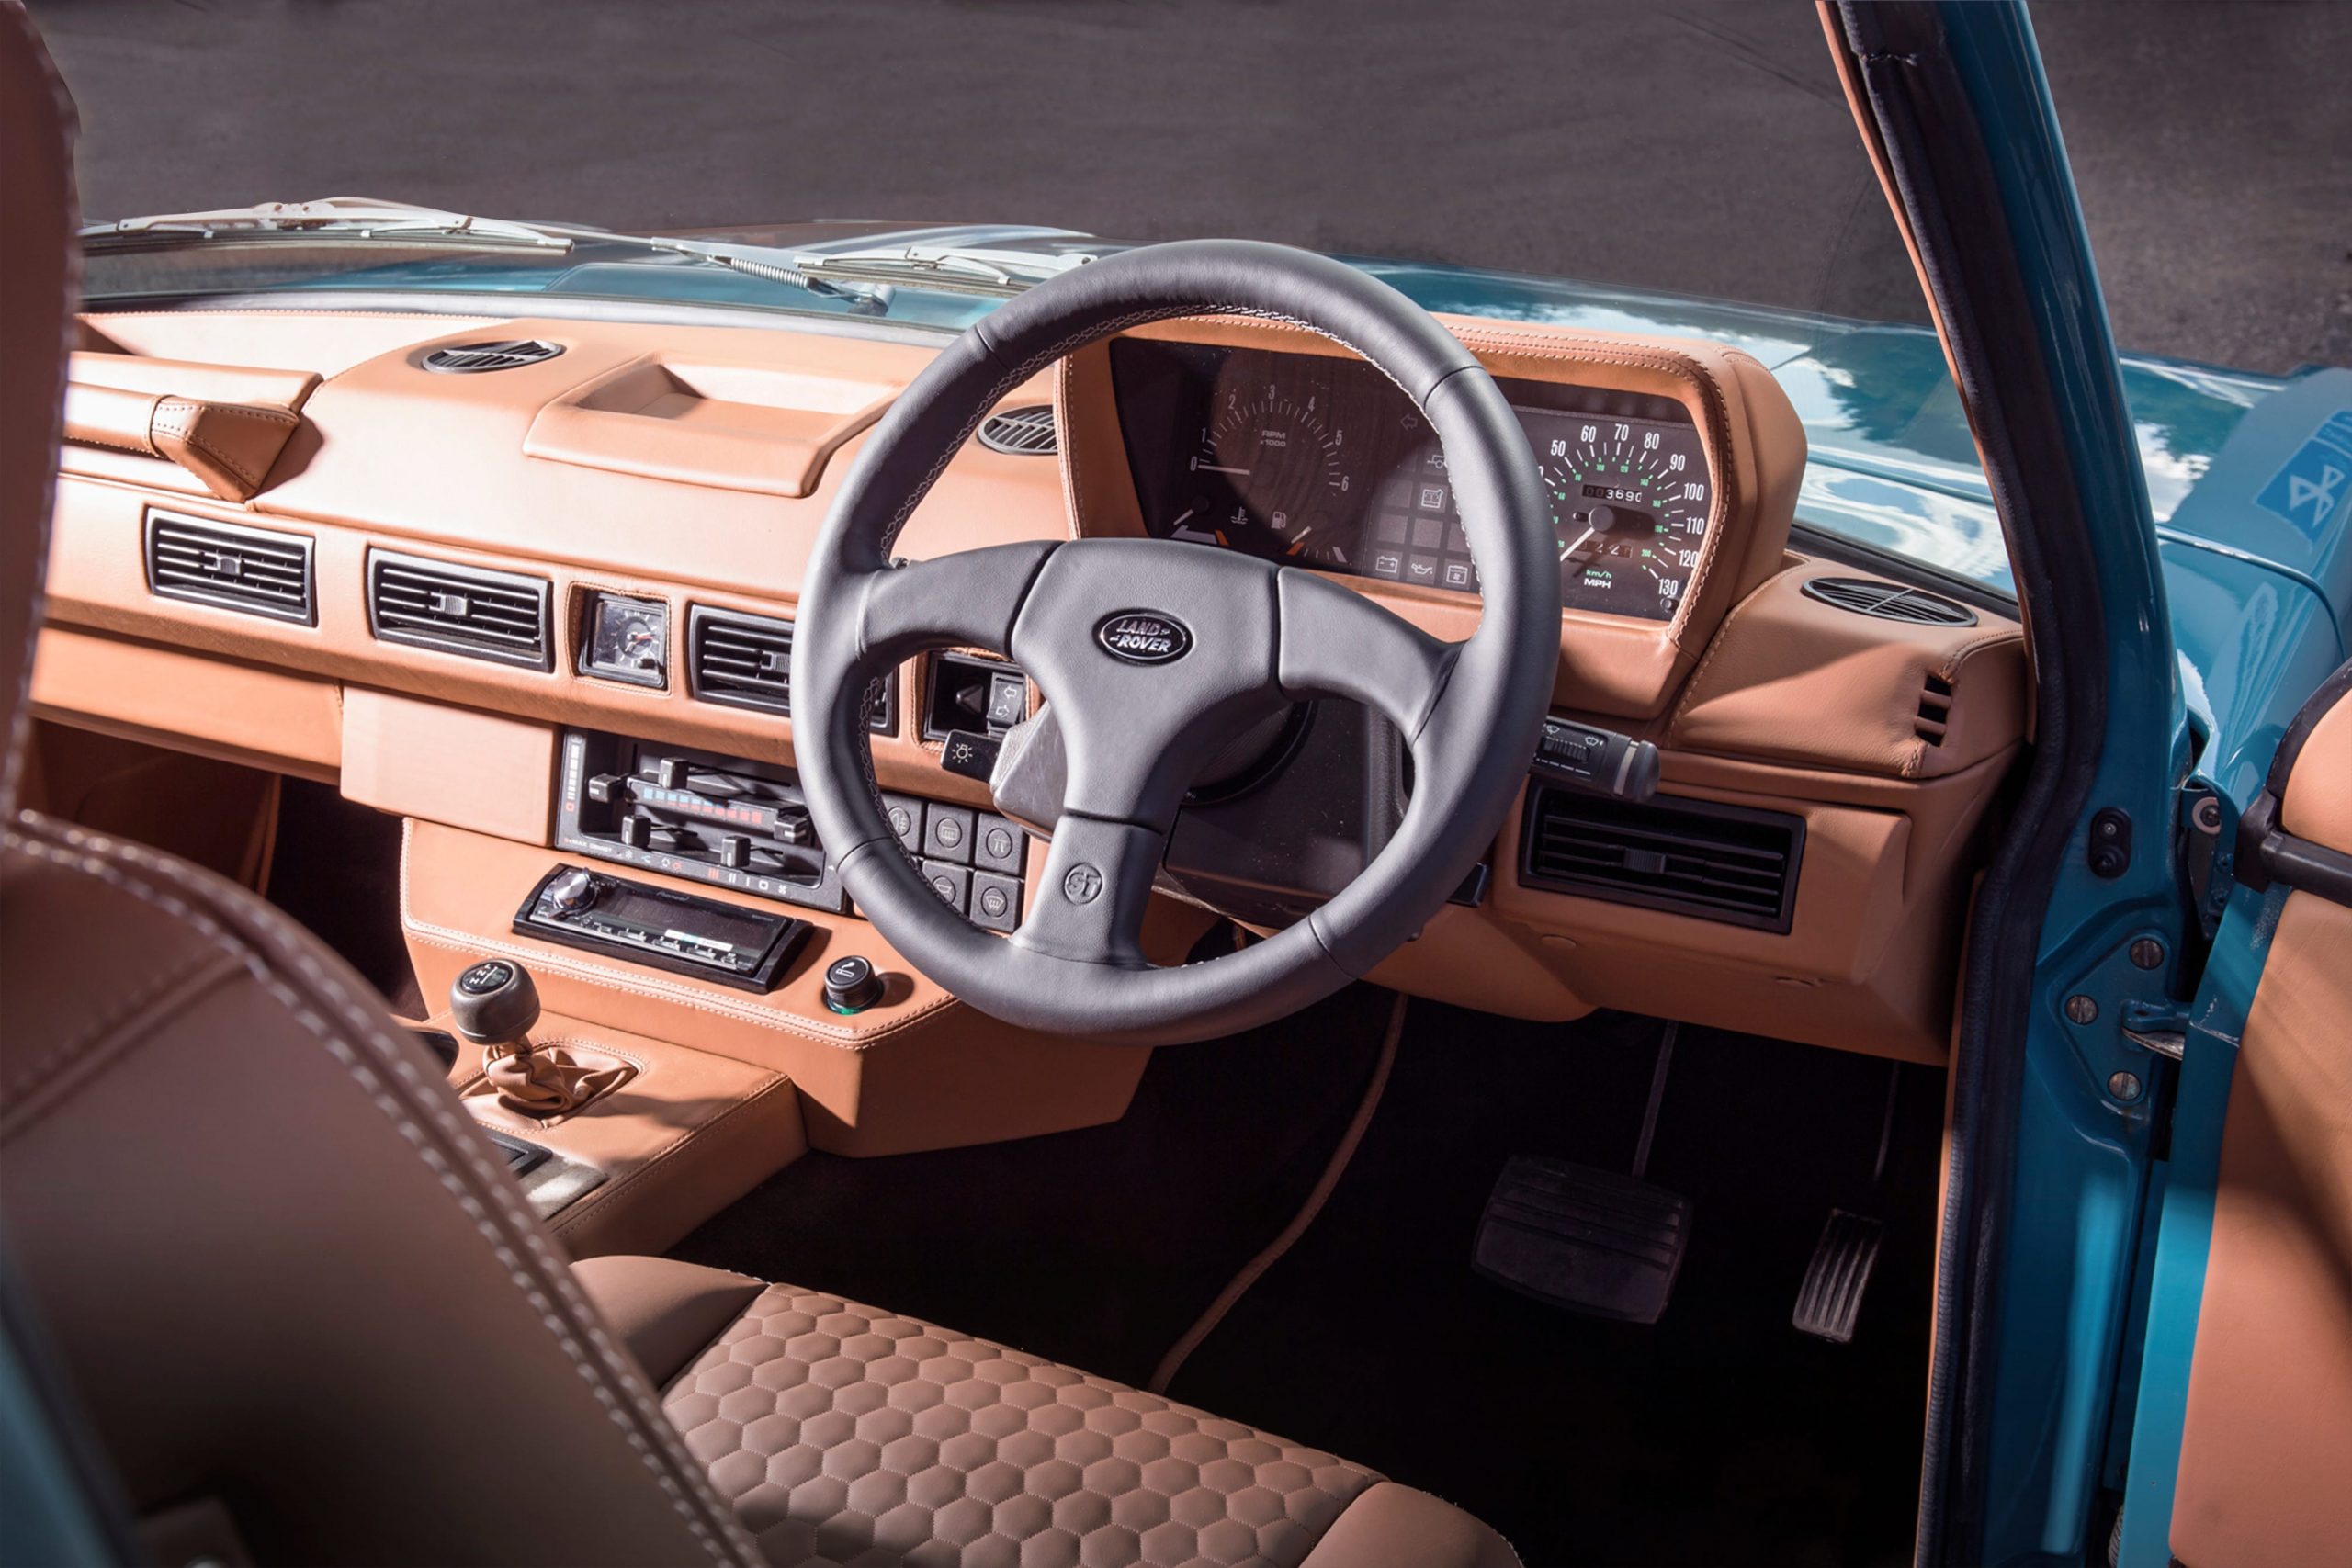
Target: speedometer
x=1630 y=499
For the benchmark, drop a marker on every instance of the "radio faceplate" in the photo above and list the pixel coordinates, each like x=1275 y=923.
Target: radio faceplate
x=748 y=949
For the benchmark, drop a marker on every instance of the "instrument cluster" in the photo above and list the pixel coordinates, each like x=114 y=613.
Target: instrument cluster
x=1324 y=462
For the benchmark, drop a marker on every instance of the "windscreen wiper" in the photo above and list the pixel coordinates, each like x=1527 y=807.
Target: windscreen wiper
x=349 y=216
x=358 y=218
x=948 y=266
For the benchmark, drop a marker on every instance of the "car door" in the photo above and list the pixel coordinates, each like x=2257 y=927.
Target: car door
x=2266 y=1441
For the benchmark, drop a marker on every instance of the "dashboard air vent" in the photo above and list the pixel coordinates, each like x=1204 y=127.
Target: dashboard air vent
x=1693 y=857
x=256 y=570
x=458 y=609
x=1935 y=710
x=474 y=358
x=1023 y=431
x=1890 y=601
x=746 y=661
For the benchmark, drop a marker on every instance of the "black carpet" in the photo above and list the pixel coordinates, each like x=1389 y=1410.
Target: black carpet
x=1718 y=1435
x=336 y=871
x=1097 y=1247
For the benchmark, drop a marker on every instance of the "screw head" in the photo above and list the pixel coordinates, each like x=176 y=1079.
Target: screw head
x=2125 y=1086
x=2207 y=815
x=2148 y=952
x=2081 y=1009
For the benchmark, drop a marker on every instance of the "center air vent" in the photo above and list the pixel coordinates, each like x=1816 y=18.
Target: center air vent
x=257 y=571
x=1890 y=601
x=1693 y=857
x=745 y=661
x=458 y=609
x=1023 y=431
x=474 y=358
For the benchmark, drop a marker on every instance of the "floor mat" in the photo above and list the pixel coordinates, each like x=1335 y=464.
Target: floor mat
x=1097 y=1247
x=1719 y=1435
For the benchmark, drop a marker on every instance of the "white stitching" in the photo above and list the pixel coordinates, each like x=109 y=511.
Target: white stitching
x=85 y=855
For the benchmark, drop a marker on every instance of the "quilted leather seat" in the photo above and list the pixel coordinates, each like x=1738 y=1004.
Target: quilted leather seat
x=844 y=1436
x=309 y=1316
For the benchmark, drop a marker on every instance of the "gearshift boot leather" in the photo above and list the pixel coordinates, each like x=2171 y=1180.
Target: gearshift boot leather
x=555 y=1080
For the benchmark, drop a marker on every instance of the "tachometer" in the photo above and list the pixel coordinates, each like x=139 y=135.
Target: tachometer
x=1266 y=478
x=1630 y=499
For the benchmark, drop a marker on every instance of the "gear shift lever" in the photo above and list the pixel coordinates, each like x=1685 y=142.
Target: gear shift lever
x=496 y=1006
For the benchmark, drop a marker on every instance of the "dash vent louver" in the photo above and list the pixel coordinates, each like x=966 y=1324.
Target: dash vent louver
x=259 y=571
x=1693 y=857
x=1023 y=431
x=1890 y=601
x=1935 y=710
x=458 y=609
x=746 y=661
x=476 y=358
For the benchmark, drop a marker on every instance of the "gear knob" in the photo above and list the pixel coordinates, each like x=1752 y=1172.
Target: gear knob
x=494 y=1003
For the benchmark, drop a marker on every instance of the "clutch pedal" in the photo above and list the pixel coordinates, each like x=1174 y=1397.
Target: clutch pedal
x=1591 y=1240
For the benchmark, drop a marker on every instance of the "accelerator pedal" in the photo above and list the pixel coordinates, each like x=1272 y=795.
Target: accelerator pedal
x=1831 y=1297
x=1830 y=1300
x=1592 y=1241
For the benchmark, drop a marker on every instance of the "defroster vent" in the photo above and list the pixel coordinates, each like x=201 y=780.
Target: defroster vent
x=1693 y=857
x=257 y=571
x=1889 y=601
x=477 y=358
x=439 y=605
x=746 y=661
x=1023 y=431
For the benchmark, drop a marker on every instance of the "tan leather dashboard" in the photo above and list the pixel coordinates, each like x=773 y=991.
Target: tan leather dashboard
x=694 y=465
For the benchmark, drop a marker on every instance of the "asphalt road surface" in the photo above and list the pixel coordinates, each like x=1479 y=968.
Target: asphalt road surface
x=1697 y=145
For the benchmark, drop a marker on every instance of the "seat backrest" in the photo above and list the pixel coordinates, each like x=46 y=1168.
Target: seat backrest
x=287 y=1277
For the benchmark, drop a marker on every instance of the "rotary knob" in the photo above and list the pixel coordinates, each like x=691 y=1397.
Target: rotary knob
x=574 y=890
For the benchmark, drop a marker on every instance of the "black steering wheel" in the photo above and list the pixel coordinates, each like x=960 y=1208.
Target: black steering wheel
x=1150 y=652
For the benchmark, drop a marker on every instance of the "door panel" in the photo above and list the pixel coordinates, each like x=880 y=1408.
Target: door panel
x=2268 y=1441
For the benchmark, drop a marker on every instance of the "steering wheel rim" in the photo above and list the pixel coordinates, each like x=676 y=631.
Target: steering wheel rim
x=1254 y=633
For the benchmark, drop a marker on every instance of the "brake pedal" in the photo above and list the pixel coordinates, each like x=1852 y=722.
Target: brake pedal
x=1589 y=1240
x=1830 y=1300
x=1831 y=1297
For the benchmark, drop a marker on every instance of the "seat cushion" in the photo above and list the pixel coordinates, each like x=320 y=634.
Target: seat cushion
x=847 y=1436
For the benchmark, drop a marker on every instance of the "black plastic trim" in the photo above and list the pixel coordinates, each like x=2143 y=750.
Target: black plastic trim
x=539 y=589
x=882 y=718
x=306 y=614
x=1545 y=800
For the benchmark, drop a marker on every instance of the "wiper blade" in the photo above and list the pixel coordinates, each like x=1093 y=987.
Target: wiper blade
x=350 y=217
x=778 y=267
x=1006 y=269
x=347 y=215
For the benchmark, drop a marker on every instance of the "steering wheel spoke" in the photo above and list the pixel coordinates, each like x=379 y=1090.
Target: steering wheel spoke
x=1089 y=904
x=968 y=600
x=1337 y=643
